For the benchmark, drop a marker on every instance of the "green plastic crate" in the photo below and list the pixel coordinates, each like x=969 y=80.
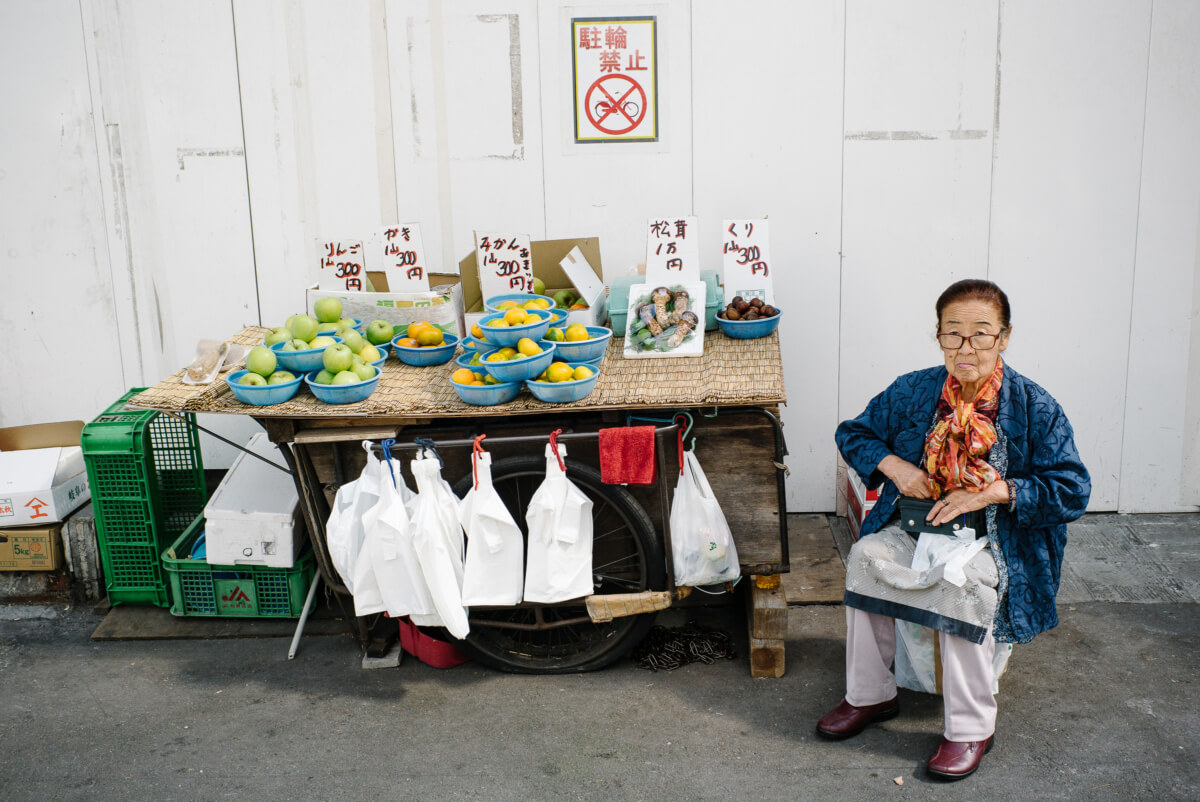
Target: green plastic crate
x=242 y=591
x=147 y=483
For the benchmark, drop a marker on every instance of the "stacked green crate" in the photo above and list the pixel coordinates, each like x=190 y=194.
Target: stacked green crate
x=247 y=591
x=147 y=484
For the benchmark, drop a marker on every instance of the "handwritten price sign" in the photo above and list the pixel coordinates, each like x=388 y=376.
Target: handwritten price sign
x=672 y=250
x=746 y=253
x=341 y=265
x=505 y=263
x=401 y=256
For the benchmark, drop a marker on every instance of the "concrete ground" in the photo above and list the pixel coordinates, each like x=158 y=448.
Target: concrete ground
x=1104 y=707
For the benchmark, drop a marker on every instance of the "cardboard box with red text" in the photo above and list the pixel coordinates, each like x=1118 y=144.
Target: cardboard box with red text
x=31 y=548
x=42 y=473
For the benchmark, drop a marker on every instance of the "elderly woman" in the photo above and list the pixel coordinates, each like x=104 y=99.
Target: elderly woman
x=991 y=450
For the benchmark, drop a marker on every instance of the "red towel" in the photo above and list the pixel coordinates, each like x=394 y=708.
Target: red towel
x=627 y=456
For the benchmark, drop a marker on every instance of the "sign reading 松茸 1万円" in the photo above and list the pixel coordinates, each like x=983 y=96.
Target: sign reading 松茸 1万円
x=615 y=65
x=672 y=250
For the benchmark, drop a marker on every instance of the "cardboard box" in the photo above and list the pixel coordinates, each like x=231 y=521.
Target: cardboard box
x=859 y=501
x=547 y=256
x=442 y=305
x=31 y=548
x=42 y=474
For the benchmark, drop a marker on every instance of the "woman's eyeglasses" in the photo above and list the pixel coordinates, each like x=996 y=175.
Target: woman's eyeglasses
x=980 y=342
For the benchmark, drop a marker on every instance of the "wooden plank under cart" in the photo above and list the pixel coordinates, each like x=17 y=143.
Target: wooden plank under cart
x=732 y=393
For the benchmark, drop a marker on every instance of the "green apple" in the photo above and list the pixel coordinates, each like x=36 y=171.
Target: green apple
x=327 y=310
x=370 y=353
x=294 y=345
x=379 y=332
x=364 y=371
x=324 y=341
x=564 y=298
x=261 y=360
x=346 y=323
x=281 y=377
x=539 y=286
x=337 y=358
x=252 y=379
x=353 y=340
x=327 y=328
x=346 y=377
x=303 y=327
x=323 y=377
x=278 y=335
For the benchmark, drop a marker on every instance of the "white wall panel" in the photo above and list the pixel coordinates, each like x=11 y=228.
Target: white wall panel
x=916 y=173
x=56 y=292
x=606 y=189
x=1164 y=351
x=774 y=148
x=1064 y=207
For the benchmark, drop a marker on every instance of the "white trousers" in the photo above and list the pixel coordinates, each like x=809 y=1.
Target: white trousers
x=970 y=707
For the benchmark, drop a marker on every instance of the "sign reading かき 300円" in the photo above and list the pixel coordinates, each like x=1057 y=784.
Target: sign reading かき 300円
x=615 y=62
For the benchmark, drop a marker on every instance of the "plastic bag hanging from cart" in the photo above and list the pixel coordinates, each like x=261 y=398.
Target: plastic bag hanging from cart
x=438 y=539
x=494 y=572
x=387 y=576
x=701 y=544
x=344 y=529
x=559 y=564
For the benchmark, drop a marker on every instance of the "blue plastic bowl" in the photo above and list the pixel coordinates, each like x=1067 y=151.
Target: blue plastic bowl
x=564 y=392
x=429 y=355
x=511 y=335
x=487 y=395
x=477 y=345
x=521 y=298
x=749 y=329
x=342 y=393
x=305 y=361
x=261 y=395
x=585 y=350
x=560 y=317
x=518 y=370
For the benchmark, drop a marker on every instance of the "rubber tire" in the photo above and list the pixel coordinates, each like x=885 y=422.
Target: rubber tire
x=487 y=645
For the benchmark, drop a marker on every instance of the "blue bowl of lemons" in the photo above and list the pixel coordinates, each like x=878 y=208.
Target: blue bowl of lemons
x=510 y=333
x=426 y=355
x=486 y=395
x=587 y=349
x=565 y=390
x=518 y=300
x=518 y=367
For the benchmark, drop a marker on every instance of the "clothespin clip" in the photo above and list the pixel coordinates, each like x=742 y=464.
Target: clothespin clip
x=554 y=445
x=476 y=451
x=680 y=433
x=426 y=444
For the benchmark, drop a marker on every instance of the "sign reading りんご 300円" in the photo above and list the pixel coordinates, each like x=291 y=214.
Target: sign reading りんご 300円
x=615 y=62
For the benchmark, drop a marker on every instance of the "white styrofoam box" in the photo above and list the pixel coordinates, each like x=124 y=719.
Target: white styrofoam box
x=41 y=485
x=253 y=517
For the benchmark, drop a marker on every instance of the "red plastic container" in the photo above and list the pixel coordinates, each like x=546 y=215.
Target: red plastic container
x=430 y=651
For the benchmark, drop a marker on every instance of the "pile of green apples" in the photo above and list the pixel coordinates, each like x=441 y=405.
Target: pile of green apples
x=260 y=367
x=346 y=362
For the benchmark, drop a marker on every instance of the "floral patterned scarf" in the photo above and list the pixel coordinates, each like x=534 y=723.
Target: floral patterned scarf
x=957 y=448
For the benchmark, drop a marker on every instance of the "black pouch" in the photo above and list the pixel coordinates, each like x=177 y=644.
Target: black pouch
x=913 y=512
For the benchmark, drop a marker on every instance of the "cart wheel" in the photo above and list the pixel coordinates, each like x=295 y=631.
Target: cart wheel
x=627 y=557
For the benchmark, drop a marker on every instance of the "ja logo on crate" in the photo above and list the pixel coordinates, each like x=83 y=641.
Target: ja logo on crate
x=236 y=596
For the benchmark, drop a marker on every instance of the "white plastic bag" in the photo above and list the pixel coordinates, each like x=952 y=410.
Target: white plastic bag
x=387 y=576
x=495 y=563
x=438 y=540
x=559 y=566
x=701 y=544
x=344 y=530
x=950 y=552
x=918 y=655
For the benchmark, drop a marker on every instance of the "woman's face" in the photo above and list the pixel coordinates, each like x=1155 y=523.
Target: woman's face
x=970 y=365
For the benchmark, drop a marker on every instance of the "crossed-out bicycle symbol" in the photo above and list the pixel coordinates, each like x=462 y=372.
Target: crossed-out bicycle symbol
x=618 y=111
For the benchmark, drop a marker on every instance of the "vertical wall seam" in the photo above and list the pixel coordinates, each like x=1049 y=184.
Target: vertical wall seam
x=1137 y=224
x=987 y=266
x=98 y=114
x=541 y=96
x=237 y=66
x=841 y=217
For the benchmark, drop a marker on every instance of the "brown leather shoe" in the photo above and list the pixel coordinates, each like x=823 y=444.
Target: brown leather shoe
x=846 y=720
x=954 y=760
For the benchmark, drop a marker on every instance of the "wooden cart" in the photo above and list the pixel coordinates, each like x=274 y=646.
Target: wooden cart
x=730 y=396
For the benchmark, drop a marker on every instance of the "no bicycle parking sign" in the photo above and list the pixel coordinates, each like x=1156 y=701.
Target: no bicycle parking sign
x=615 y=61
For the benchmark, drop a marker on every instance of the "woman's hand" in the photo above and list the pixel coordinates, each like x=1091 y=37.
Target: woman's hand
x=910 y=480
x=960 y=502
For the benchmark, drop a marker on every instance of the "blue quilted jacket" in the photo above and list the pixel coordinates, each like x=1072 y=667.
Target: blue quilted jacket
x=1035 y=447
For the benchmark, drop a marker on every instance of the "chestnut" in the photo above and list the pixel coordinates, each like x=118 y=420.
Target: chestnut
x=757 y=303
